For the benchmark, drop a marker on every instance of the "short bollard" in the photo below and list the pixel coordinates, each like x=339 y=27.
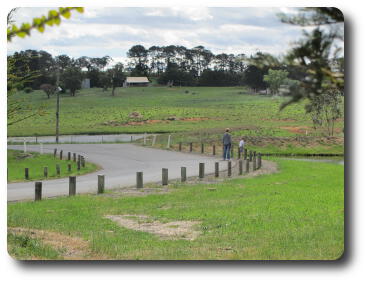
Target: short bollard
x=60 y=154
x=180 y=146
x=216 y=171
x=190 y=146
x=26 y=173
x=72 y=185
x=69 y=155
x=240 y=167
x=245 y=154
x=139 y=180
x=55 y=152
x=213 y=149
x=58 y=169
x=229 y=168
x=247 y=165
x=79 y=157
x=254 y=164
x=250 y=156
x=201 y=170
x=259 y=161
x=45 y=172
x=202 y=148
x=100 y=184
x=38 y=191
x=83 y=161
x=78 y=165
x=74 y=157
x=69 y=167
x=238 y=153
x=183 y=174
x=164 y=176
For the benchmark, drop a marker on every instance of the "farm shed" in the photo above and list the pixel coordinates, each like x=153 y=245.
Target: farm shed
x=136 y=81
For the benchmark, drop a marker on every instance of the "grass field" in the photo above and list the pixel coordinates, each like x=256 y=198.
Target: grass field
x=189 y=113
x=17 y=161
x=295 y=214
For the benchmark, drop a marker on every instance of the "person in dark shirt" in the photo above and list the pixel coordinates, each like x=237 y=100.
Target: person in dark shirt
x=227 y=143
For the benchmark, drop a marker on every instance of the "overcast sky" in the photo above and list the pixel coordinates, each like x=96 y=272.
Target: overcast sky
x=112 y=31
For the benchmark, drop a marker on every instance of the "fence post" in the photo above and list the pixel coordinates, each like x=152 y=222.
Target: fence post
x=259 y=161
x=139 y=180
x=238 y=153
x=58 y=169
x=38 y=191
x=201 y=170
x=78 y=165
x=72 y=185
x=24 y=146
x=169 y=141
x=131 y=138
x=250 y=155
x=229 y=168
x=164 y=176
x=180 y=146
x=74 y=157
x=55 y=152
x=213 y=149
x=45 y=172
x=190 y=146
x=60 y=154
x=183 y=174
x=69 y=167
x=83 y=161
x=26 y=173
x=247 y=165
x=240 y=167
x=245 y=154
x=100 y=184
x=216 y=169
x=254 y=164
x=69 y=155
x=202 y=148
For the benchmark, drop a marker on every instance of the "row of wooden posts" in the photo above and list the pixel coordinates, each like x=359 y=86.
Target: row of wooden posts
x=256 y=163
x=79 y=159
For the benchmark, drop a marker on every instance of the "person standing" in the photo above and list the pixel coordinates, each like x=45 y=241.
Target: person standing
x=227 y=143
x=241 y=145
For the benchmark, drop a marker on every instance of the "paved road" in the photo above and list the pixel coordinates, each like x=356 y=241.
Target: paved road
x=120 y=162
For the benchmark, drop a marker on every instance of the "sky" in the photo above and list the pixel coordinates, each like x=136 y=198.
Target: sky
x=113 y=31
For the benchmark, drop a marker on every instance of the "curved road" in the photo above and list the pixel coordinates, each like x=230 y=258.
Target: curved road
x=119 y=163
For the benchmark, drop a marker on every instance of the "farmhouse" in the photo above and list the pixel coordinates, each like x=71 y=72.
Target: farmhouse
x=136 y=81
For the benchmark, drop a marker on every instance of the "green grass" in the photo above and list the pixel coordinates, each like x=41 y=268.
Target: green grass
x=17 y=161
x=296 y=214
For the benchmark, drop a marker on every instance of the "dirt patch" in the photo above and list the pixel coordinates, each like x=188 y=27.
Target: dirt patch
x=175 y=230
x=115 y=123
x=71 y=248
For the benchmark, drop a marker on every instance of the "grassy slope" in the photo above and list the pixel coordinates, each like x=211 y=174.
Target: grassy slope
x=17 y=161
x=295 y=214
x=225 y=106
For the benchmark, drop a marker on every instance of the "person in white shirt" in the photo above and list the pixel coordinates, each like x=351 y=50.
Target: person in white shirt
x=241 y=145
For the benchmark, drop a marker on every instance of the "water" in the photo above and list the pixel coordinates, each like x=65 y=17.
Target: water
x=78 y=138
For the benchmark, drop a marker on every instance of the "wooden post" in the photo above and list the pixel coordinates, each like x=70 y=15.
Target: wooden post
x=131 y=138
x=69 y=167
x=69 y=155
x=164 y=176
x=72 y=185
x=38 y=191
x=250 y=155
x=247 y=165
x=254 y=164
x=190 y=146
x=60 y=154
x=78 y=157
x=201 y=170
x=259 y=161
x=100 y=184
x=26 y=173
x=74 y=157
x=229 y=168
x=58 y=169
x=213 y=149
x=24 y=146
x=83 y=161
x=183 y=174
x=78 y=165
x=202 y=148
x=139 y=180
x=238 y=153
x=216 y=169
x=55 y=152
x=245 y=154
x=180 y=146
x=169 y=141
x=45 y=172
x=240 y=167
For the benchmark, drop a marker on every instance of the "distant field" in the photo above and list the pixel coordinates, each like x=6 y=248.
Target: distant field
x=192 y=113
x=296 y=214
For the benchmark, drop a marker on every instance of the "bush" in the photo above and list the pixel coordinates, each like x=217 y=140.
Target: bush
x=27 y=89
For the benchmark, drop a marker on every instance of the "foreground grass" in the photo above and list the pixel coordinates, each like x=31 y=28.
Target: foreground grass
x=17 y=161
x=295 y=214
